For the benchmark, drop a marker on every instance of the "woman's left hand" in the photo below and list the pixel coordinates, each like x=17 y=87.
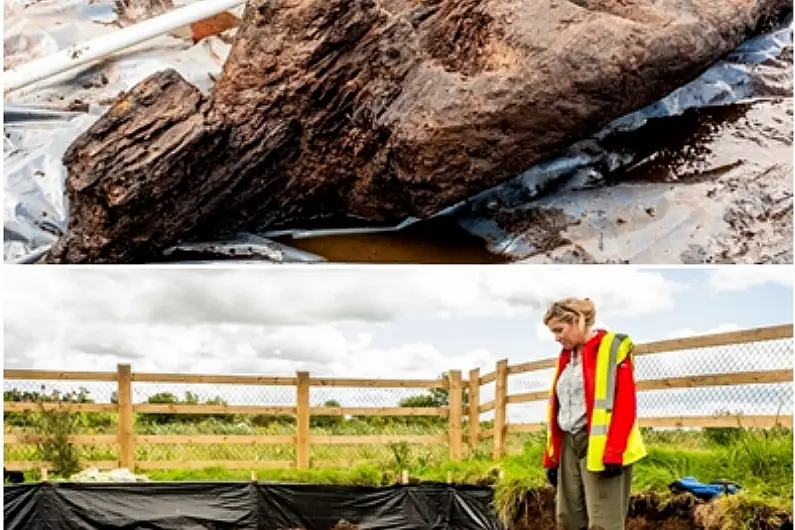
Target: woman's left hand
x=612 y=470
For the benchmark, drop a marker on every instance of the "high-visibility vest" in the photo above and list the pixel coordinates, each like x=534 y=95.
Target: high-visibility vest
x=613 y=350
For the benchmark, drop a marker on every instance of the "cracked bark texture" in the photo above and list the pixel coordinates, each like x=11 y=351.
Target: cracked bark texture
x=376 y=109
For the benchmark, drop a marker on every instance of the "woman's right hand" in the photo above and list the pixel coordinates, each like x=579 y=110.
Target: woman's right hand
x=552 y=476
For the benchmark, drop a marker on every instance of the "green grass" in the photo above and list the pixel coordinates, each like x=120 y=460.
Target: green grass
x=271 y=452
x=760 y=460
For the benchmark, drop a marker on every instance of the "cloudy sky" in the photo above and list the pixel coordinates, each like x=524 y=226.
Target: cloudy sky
x=367 y=322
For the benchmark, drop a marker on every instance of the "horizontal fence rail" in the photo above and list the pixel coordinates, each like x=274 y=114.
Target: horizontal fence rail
x=461 y=424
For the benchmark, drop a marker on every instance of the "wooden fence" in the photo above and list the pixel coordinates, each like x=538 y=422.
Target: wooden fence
x=458 y=416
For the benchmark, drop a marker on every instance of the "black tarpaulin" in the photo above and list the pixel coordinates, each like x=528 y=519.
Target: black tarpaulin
x=234 y=505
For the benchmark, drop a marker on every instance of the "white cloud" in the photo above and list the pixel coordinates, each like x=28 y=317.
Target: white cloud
x=311 y=295
x=688 y=332
x=212 y=349
x=242 y=349
x=341 y=322
x=740 y=277
x=275 y=318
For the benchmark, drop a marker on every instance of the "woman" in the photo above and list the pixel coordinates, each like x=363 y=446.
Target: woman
x=593 y=437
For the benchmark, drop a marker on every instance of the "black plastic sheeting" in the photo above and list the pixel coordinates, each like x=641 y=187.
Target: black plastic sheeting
x=240 y=506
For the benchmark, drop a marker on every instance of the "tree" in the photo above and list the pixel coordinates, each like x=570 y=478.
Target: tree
x=160 y=398
x=327 y=422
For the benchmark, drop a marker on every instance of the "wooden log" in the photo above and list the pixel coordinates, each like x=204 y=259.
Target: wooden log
x=375 y=109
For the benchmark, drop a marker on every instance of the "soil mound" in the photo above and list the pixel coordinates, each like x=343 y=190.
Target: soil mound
x=657 y=512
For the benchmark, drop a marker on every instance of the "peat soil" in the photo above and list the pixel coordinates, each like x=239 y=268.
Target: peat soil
x=652 y=512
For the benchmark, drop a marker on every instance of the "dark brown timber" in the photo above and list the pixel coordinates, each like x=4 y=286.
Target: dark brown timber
x=376 y=109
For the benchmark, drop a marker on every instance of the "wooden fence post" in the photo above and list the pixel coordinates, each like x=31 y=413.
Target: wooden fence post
x=500 y=406
x=302 y=420
x=456 y=409
x=474 y=409
x=125 y=404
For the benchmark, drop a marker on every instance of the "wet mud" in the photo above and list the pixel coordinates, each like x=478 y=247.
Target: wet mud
x=652 y=512
x=711 y=186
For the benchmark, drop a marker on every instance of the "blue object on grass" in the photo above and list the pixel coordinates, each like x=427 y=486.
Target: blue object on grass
x=705 y=492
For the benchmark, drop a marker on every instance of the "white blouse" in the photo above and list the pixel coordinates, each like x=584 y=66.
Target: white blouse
x=571 y=397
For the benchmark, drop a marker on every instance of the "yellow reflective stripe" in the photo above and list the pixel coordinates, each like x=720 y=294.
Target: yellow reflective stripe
x=635 y=448
x=550 y=446
x=602 y=368
x=612 y=368
x=615 y=348
x=613 y=360
x=599 y=415
x=626 y=349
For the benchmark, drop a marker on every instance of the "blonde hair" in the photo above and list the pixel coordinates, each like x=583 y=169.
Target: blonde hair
x=572 y=311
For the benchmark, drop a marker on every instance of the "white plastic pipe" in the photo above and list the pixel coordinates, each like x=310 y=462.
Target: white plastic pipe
x=80 y=54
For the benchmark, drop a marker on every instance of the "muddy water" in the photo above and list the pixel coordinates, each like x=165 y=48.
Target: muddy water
x=711 y=186
x=432 y=242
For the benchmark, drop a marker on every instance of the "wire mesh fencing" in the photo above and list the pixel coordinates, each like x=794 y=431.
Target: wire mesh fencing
x=745 y=379
x=198 y=424
x=726 y=380
x=193 y=424
x=165 y=422
x=81 y=408
x=389 y=427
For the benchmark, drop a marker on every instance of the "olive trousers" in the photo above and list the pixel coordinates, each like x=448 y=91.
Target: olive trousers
x=587 y=500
